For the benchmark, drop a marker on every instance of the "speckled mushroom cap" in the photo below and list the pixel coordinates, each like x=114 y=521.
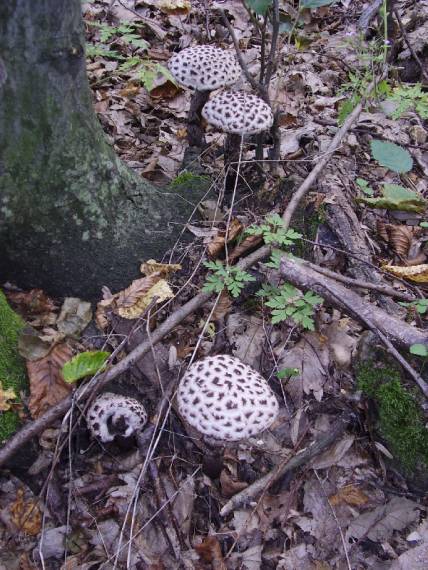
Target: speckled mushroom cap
x=238 y=113
x=112 y=414
x=204 y=68
x=225 y=399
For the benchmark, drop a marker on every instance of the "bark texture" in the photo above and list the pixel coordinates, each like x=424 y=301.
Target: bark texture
x=73 y=217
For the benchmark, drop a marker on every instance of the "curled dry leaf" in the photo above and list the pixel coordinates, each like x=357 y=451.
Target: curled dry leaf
x=163 y=269
x=399 y=236
x=5 y=396
x=229 y=485
x=249 y=242
x=216 y=246
x=133 y=301
x=47 y=386
x=416 y=273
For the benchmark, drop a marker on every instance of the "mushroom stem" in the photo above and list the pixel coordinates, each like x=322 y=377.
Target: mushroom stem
x=232 y=145
x=195 y=132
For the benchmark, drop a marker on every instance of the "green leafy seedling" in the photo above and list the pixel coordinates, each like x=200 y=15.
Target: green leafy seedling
x=421 y=305
x=287 y=373
x=84 y=364
x=274 y=231
x=288 y=302
x=364 y=186
x=232 y=278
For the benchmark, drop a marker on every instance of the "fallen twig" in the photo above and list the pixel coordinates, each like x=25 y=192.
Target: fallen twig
x=303 y=457
x=409 y=45
x=380 y=322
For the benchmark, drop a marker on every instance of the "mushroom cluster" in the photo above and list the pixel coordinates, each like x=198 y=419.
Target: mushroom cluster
x=202 y=68
x=225 y=399
x=112 y=415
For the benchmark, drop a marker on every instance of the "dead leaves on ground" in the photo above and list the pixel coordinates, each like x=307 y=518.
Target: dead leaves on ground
x=133 y=301
x=47 y=386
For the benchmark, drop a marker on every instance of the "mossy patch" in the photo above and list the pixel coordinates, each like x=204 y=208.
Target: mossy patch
x=400 y=419
x=12 y=366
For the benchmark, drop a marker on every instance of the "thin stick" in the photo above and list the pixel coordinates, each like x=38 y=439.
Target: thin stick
x=409 y=45
x=301 y=458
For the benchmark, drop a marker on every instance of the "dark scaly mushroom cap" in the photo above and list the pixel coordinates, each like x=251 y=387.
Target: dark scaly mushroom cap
x=225 y=399
x=204 y=68
x=112 y=414
x=238 y=113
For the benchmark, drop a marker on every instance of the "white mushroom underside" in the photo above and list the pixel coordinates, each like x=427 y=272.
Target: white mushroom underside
x=238 y=113
x=115 y=410
x=204 y=68
x=225 y=399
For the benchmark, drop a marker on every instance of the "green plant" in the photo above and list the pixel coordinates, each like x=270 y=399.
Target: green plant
x=274 y=231
x=420 y=305
x=400 y=419
x=12 y=366
x=189 y=178
x=409 y=97
x=143 y=70
x=288 y=302
x=230 y=277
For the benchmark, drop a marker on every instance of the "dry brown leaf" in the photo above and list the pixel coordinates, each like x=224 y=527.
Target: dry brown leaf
x=47 y=386
x=163 y=269
x=209 y=550
x=36 y=307
x=6 y=395
x=229 y=485
x=249 y=242
x=25 y=514
x=223 y=306
x=216 y=245
x=164 y=89
x=417 y=273
x=401 y=239
x=174 y=7
x=350 y=495
x=131 y=303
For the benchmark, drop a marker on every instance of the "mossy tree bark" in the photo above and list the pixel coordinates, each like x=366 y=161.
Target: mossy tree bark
x=73 y=217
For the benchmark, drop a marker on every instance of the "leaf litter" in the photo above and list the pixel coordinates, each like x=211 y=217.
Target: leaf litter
x=339 y=504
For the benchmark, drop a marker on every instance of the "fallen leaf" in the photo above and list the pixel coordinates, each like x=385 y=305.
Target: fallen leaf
x=210 y=551
x=164 y=269
x=75 y=316
x=249 y=242
x=174 y=7
x=25 y=514
x=379 y=524
x=6 y=395
x=334 y=454
x=31 y=346
x=229 y=485
x=216 y=246
x=47 y=387
x=133 y=301
x=350 y=495
x=416 y=273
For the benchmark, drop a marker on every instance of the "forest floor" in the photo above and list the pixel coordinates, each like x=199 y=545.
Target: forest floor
x=339 y=480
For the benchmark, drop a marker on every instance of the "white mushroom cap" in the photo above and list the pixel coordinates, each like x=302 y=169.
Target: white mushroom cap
x=204 y=68
x=225 y=399
x=238 y=113
x=112 y=414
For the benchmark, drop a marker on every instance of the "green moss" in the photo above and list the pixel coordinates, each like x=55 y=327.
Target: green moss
x=400 y=419
x=12 y=367
x=186 y=177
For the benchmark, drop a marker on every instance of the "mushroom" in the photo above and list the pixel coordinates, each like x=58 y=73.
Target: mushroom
x=237 y=113
x=225 y=399
x=112 y=415
x=202 y=68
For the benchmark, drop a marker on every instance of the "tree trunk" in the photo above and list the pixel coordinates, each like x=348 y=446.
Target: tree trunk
x=73 y=217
